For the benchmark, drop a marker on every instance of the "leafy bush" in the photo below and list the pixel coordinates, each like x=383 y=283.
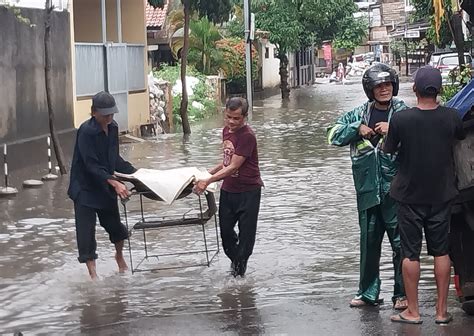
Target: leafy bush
x=202 y=94
x=458 y=79
x=233 y=50
x=448 y=92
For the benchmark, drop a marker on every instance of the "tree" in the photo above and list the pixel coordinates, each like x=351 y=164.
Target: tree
x=203 y=39
x=450 y=29
x=48 y=85
x=353 y=31
x=330 y=20
x=282 y=19
x=294 y=24
x=216 y=11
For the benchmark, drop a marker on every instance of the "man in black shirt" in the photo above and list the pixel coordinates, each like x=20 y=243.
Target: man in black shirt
x=424 y=186
x=93 y=187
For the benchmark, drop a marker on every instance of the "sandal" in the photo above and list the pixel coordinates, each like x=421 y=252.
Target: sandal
x=357 y=302
x=400 y=303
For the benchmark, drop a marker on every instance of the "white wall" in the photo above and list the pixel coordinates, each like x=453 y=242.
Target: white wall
x=270 y=67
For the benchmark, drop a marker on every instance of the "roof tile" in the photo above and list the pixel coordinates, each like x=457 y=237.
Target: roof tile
x=155 y=17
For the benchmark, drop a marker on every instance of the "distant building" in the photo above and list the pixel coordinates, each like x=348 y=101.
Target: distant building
x=158 y=36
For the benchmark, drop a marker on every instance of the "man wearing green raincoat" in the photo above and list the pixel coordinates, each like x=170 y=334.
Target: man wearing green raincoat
x=363 y=129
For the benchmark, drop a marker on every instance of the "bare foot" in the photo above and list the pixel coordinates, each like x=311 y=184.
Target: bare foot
x=92 y=269
x=408 y=315
x=400 y=304
x=122 y=265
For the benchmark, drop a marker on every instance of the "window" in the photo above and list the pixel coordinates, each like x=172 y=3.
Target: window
x=267 y=52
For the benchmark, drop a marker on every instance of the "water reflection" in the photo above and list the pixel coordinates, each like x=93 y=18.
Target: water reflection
x=101 y=309
x=306 y=251
x=240 y=311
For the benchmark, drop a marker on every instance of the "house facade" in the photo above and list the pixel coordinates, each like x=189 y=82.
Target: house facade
x=96 y=45
x=110 y=54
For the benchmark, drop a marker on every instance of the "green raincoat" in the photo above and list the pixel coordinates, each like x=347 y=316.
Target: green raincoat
x=373 y=171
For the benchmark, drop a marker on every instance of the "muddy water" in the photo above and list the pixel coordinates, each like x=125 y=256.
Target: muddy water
x=303 y=271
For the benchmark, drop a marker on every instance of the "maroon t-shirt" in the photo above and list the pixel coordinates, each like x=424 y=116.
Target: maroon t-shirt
x=243 y=143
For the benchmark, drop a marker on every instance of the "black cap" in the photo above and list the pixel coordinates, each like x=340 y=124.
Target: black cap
x=428 y=80
x=104 y=103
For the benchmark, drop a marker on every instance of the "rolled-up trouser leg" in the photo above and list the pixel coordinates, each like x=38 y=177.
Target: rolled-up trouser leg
x=85 y=232
x=109 y=219
x=371 y=236
x=227 y=220
x=389 y=215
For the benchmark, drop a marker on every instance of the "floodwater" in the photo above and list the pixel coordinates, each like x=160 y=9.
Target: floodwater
x=300 y=279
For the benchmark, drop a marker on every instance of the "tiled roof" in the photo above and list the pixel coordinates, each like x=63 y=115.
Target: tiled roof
x=155 y=17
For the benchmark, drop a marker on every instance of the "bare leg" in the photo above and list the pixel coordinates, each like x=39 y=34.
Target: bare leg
x=122 y=265
x=92 y=269
x=442 y=272
x=411 y=277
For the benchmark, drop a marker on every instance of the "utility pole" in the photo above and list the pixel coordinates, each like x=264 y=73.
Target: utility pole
x=248 y=55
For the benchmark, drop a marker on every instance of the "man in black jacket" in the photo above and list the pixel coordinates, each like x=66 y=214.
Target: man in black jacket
x=93 y=186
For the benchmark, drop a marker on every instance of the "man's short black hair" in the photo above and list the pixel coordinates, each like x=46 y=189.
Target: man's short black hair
x=427 y=93
x=236 y=103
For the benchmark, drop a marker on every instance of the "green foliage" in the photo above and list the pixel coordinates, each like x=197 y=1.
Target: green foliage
x=235 y=28
x=203 y=93
x=400 y=46
x=353 y=31
x=203 y=52
x=157 y=3
x=448 y=92
x=297 y=23
x=325 y=20
x=424 y=9
x=217 y=11
x=233 y=50
x=458 y=79
x=283 y=20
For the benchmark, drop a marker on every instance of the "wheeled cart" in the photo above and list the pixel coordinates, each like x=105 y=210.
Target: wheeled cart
x=208 y=239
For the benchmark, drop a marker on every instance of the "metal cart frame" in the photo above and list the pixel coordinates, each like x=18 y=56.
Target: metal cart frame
x=148 y=223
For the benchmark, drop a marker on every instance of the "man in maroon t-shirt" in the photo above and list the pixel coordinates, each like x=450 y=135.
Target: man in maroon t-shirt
x=241 y=189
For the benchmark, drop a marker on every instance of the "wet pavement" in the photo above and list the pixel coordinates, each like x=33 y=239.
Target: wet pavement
x=300 y=279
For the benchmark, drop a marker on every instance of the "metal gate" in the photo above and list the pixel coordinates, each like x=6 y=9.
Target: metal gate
x=117 y=80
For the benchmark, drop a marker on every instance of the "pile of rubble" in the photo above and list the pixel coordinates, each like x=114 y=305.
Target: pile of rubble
x=158 y=102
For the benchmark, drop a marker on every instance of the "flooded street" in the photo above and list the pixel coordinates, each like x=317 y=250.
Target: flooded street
x=300 y=279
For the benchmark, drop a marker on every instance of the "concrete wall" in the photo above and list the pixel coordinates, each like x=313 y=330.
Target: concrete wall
x=138 y=110
x=270 y=67
x=133 y=22
x=87 y=21
x=23 y=109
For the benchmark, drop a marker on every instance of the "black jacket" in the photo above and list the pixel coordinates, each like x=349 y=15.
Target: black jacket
x=96 y=157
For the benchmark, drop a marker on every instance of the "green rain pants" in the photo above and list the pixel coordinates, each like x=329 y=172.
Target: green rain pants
x=374 y=222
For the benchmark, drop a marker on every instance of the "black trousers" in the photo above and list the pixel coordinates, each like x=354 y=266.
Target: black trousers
x=241 y=208
x=86 y=217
